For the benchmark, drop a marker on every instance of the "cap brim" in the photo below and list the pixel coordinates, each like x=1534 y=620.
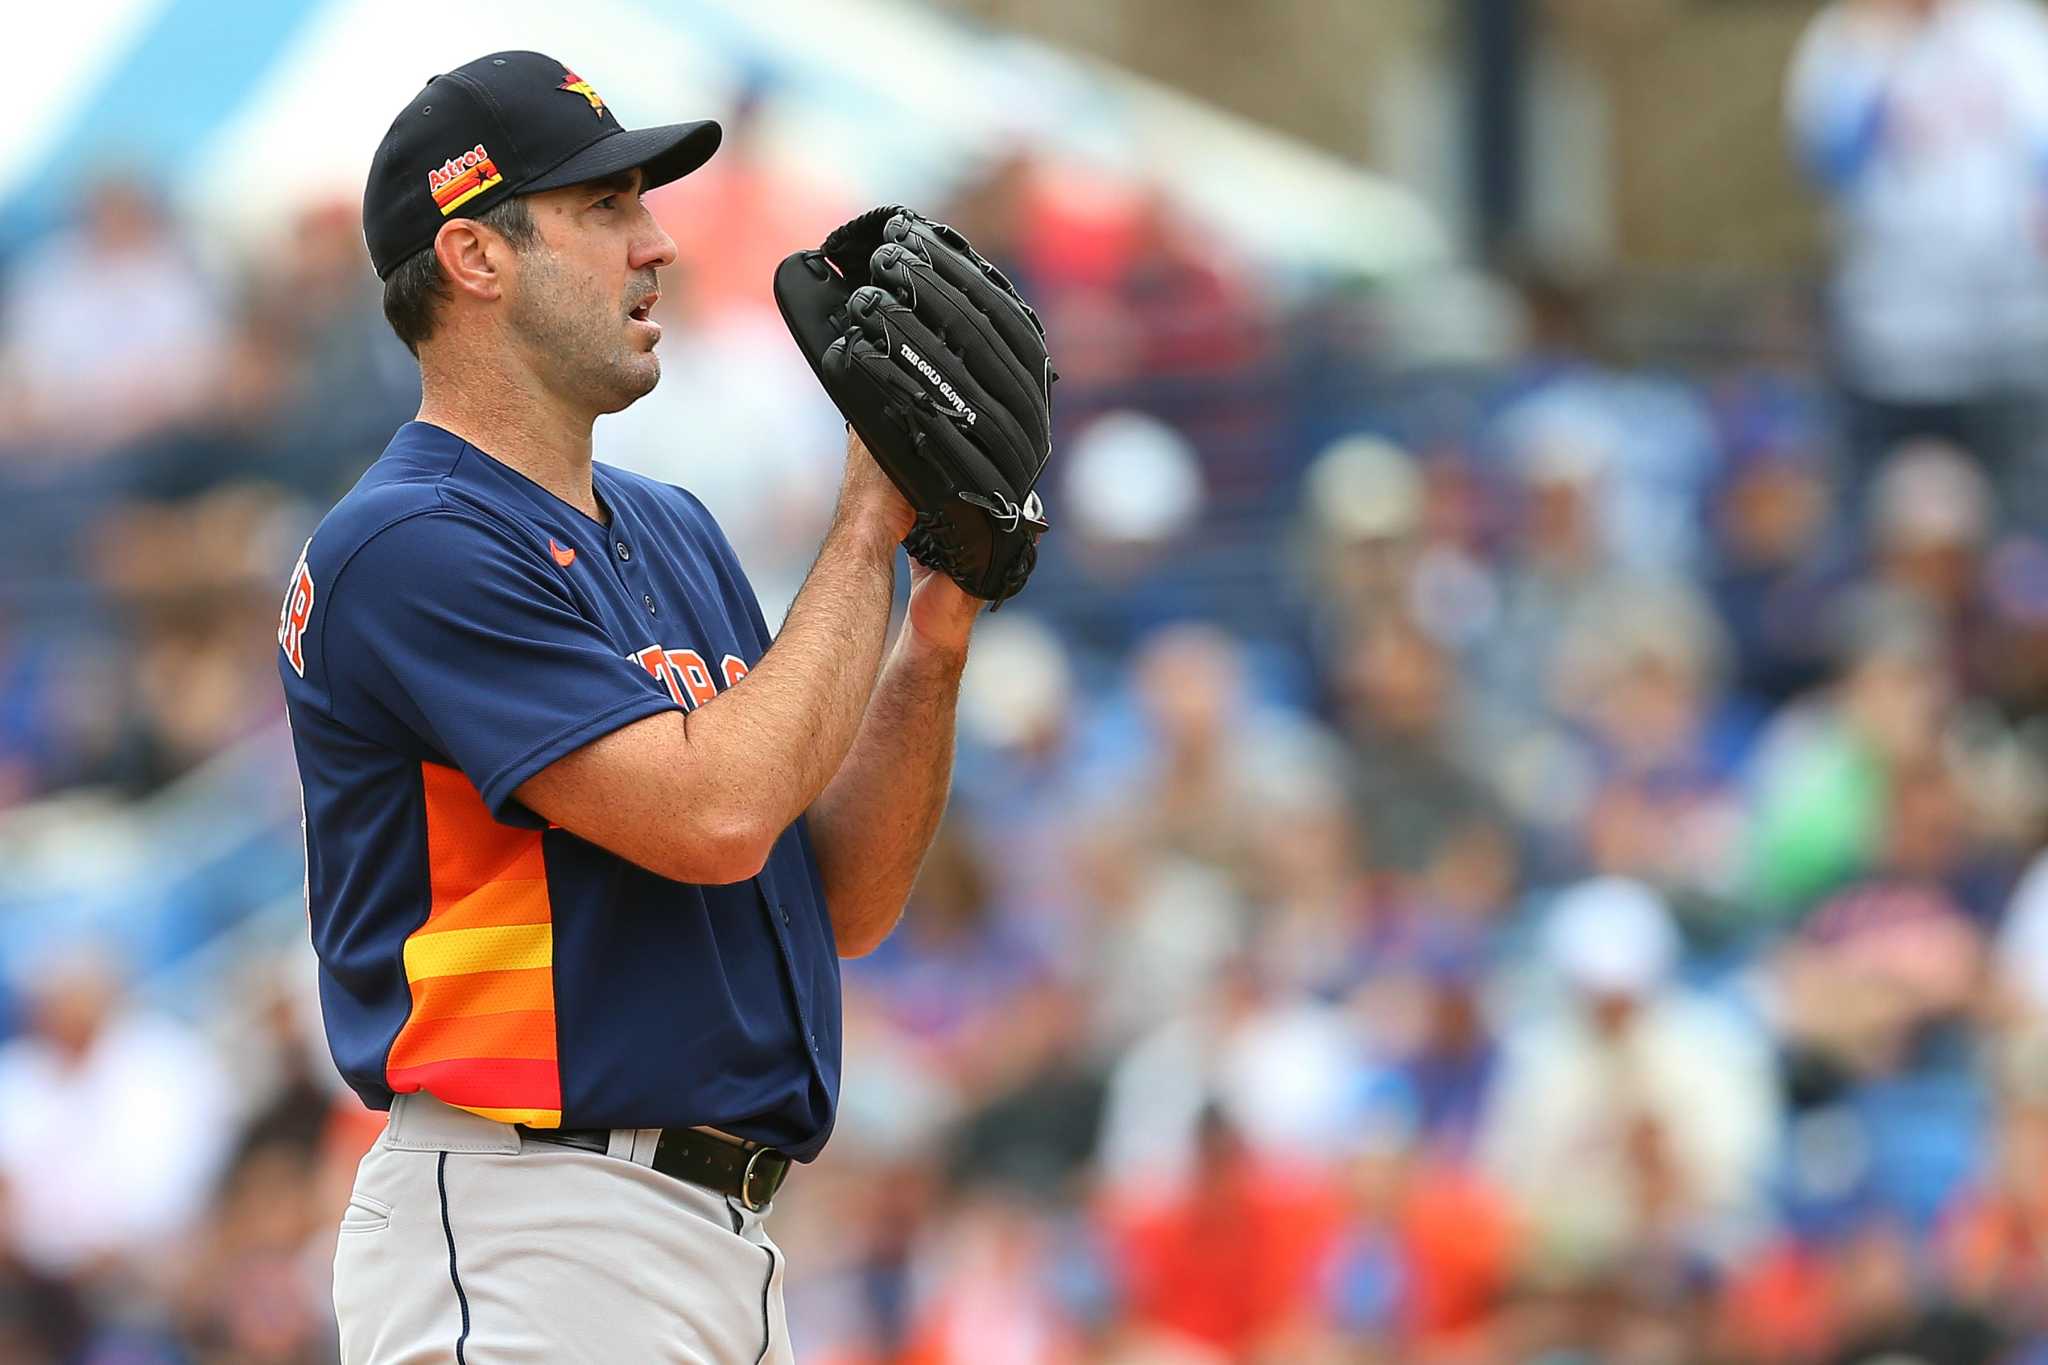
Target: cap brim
x=666 y=153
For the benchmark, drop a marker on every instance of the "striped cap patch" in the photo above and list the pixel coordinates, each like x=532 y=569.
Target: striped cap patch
x=462 y=178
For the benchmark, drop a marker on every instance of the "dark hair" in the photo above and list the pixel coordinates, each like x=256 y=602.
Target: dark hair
x=416 y=288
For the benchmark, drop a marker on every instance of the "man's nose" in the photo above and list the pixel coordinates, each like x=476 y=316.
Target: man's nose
x=654 y=250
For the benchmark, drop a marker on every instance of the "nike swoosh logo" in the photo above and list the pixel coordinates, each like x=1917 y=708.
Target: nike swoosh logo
x=563 y=555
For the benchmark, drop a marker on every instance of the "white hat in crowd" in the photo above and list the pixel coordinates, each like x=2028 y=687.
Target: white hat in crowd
x=1611 y=936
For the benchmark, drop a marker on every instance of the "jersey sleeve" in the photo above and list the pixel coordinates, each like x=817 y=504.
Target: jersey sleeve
x=443 y=628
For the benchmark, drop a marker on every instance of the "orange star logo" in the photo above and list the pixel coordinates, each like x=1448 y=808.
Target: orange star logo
x=575 y=84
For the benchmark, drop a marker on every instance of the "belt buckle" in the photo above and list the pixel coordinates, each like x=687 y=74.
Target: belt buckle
x=747 y=1199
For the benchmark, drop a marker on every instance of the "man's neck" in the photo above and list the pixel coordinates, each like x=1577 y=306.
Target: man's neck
x=512 y=421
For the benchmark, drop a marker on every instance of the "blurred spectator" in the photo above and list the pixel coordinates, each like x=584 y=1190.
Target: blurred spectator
x=1362 y=512
x=109 y=329
x=1426 y=1251
x=1429 y=1026
x=1873 y=969
x=1131 y=499
x=1824 y=773
x=1639 y=446
x=1186 y=297
x=990 y=1293
x=1249 y=1066
x=1206 y=745
x=1772 y=520
x=117 y=1119
x=257 y=1287
x=956 y=980
x=1425 y=814
x=1931 y=514
x=345 y=380
x=1313 y=906
x=1633 y=1119
x=1225 y=1255
x=1923 y=121
x=1132 y=485
x=1638 y=681
x=1561 y=557
x=1023 y=767
x=195 y=583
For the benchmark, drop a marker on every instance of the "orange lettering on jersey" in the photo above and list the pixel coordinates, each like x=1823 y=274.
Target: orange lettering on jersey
x=684 y=673
x=656 y=663
x=696 y=677
x=297 y=610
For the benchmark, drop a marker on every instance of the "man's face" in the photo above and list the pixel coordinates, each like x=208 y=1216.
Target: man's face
x=580 y=299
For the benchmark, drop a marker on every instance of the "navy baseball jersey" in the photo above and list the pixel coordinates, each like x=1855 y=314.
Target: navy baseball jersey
x=451 y=630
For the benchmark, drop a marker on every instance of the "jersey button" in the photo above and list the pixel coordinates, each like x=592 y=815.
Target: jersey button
x=624 y=552
x=785 y=915
x=649 y=600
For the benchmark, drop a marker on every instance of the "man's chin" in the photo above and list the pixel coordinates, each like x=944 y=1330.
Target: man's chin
x=637 y=378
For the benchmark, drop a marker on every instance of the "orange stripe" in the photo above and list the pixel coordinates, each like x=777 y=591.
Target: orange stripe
x=456 y=997
x=528 y=1035
x=481 y=1035
x=483 y=170
x=494 y=904
x=466 y=849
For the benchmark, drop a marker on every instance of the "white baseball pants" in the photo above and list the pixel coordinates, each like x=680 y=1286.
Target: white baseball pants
x=462 y=1243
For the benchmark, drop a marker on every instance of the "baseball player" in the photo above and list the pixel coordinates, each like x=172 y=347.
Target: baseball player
x=583 y=846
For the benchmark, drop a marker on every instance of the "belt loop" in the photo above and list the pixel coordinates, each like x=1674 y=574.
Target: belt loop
x=395 y=1125
x=640 y=1150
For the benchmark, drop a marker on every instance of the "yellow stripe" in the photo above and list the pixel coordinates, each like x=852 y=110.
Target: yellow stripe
x=500 y=948
x=459 y=200
x=532 y=1118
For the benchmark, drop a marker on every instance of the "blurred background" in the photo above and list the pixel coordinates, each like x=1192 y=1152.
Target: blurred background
x=1507 y=827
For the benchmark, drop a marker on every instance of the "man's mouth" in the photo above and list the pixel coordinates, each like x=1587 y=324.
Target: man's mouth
x=642 y=311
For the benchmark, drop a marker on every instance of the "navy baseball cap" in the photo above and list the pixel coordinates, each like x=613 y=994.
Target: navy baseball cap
x=510 y=123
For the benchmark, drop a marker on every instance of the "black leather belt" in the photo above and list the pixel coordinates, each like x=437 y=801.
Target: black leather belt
x=745 y=1172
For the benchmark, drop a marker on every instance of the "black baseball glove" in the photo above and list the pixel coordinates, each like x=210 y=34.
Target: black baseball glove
x=942 y=370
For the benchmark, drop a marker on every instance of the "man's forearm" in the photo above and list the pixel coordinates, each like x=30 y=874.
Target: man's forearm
x=702 y=795
x=874 y=822
x=791 y=721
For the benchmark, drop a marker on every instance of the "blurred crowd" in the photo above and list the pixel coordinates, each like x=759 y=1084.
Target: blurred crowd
x=1540 y=858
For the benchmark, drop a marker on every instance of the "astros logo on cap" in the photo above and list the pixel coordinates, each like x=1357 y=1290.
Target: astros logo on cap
x=462 y=178
x=577 y=85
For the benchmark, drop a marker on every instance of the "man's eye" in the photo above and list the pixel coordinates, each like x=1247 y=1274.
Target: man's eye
x=608 y=202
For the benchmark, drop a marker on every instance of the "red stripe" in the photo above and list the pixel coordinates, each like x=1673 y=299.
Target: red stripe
x=487 y=1082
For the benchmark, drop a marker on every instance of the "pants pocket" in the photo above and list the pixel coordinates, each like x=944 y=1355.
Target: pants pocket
x=365 y=1214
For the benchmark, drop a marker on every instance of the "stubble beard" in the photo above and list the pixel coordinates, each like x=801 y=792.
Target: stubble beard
x=581 y=342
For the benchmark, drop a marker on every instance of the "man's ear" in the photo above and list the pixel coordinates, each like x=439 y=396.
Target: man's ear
x=471 y=258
